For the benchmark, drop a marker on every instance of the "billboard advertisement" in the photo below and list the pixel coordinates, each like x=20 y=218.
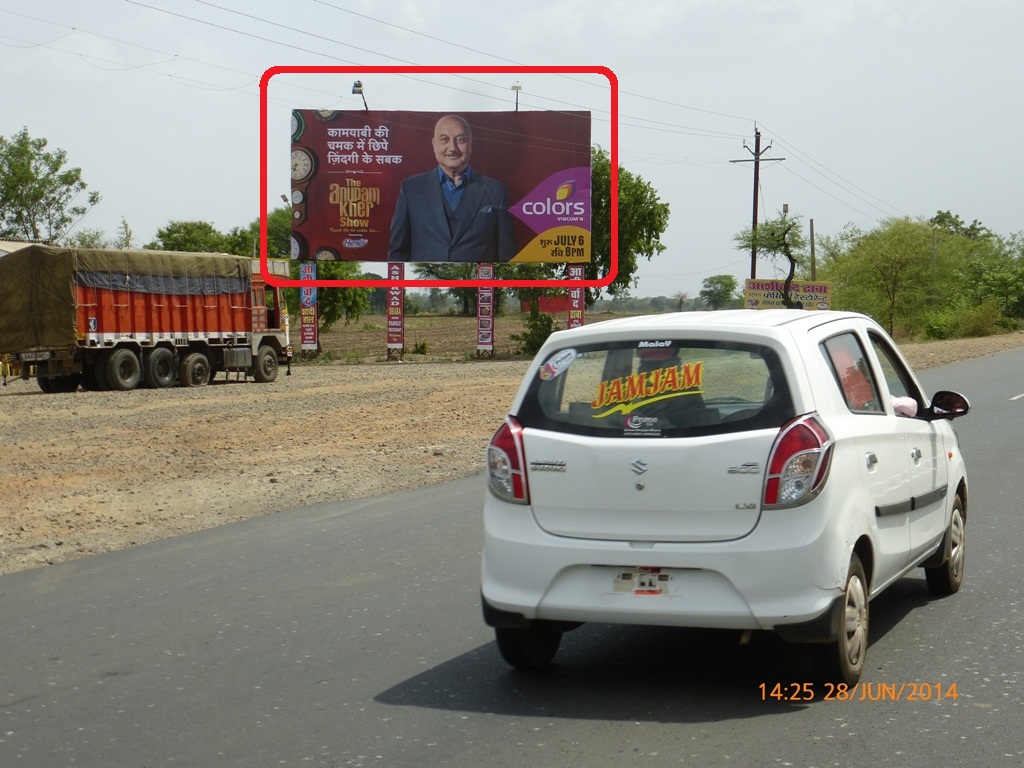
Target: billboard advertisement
x=767 y=294
x=433 y=187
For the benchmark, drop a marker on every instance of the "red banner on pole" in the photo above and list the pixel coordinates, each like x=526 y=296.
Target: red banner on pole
x=577 y=297
x=307 y=309
x=396 y=311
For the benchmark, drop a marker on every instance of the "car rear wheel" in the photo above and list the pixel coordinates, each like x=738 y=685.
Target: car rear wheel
x=531 y=647
x=946 y=579
x=842 y=661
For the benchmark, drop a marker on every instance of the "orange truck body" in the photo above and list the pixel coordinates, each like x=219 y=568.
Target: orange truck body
x=114 y=319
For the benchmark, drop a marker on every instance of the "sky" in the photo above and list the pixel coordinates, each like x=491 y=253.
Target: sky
x=874 y=108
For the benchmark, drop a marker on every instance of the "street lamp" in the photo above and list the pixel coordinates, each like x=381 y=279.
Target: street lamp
x=357 y=89
x=517 y=87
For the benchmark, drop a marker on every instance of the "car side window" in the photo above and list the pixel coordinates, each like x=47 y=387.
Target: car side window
x=849 y=365
x=900 y=384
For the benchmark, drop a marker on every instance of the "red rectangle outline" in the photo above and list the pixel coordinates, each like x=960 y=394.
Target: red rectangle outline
x=328 y=70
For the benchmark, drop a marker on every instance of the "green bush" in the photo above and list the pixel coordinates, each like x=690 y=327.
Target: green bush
x=939 y=324
x=964 y=320
x=536 y=329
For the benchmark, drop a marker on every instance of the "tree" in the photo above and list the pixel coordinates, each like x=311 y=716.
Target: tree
x=333 y=304
x=191 y=236
x=38 y=193
x=886 y=273
x=718 y=291
x=378 y=297
x=456 y=273
x=643 y=218
x=453 y=273
x=777 y=237
x=97 y=238
x=952 y=224
x=125 y=237
x=87 y=238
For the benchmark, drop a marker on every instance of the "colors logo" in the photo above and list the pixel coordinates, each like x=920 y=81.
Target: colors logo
x=561 y=200
x=559 y=206
x=565 y=190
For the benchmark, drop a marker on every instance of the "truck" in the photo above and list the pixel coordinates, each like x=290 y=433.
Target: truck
x=108 y=319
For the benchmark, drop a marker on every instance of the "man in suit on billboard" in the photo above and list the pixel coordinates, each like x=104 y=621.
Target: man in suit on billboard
x=452 y=212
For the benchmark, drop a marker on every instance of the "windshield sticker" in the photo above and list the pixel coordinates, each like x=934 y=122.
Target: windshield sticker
x=641 y=426
x=627 y=393
x=557 y=364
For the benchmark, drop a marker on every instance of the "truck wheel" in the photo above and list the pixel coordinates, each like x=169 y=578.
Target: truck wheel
x=194 y=370
x=123 y=370
x=96 y=377
x=160 y=369
x=45 y=384
x=66 y=384
x=265 y=370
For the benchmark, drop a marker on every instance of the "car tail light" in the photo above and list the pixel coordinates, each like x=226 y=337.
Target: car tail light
x=506 y=463
x=799 y=462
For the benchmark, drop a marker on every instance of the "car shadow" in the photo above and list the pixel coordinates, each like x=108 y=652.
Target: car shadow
x=625 y=673
x=656 y=674
x=898 y=601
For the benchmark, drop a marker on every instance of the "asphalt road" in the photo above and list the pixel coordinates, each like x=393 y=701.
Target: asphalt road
x=349 y=634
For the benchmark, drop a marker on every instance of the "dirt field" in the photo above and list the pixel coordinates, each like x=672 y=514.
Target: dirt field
x=92 y=472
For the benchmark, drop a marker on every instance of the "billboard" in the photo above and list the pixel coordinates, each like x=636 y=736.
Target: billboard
x=376 y=186
x=767 y=294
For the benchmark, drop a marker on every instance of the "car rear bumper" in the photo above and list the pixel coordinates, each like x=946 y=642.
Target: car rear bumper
x=786 y=573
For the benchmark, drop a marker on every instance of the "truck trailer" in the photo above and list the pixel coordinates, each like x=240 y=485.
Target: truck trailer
x=107 y=319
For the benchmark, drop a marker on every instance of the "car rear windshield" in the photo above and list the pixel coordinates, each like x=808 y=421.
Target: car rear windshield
x=658 y=388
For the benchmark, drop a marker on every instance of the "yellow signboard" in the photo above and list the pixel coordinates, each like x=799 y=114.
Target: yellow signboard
x=767 y=294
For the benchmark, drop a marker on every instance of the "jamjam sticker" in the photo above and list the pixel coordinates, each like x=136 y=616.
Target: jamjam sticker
x=557 y=364
x=627 y=393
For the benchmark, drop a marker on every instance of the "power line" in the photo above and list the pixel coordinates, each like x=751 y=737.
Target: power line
x=637 y=122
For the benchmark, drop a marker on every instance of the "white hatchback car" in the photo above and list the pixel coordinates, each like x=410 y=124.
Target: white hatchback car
x=754 y=470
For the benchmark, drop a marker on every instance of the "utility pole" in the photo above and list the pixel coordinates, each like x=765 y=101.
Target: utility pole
x=814 y=266
x=756 y=160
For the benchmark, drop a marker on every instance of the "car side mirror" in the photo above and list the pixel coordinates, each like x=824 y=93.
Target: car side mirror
x=946 y=405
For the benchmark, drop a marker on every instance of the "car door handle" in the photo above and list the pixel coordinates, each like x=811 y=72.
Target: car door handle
x=915 y=454
x=870 y=459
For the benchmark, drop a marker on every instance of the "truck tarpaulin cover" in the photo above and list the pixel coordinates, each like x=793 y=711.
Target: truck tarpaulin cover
x=37 y=286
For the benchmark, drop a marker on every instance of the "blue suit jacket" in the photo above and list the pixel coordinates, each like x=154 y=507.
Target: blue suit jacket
x=419 y=228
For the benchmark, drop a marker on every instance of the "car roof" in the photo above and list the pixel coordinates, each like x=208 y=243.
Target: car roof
x=733 y=321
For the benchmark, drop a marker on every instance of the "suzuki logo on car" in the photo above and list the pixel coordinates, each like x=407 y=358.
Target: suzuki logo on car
x=749 y=468
x=639 y=466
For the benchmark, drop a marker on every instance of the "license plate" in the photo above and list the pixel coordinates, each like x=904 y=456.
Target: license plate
x=642 y=582
x=30 y=357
